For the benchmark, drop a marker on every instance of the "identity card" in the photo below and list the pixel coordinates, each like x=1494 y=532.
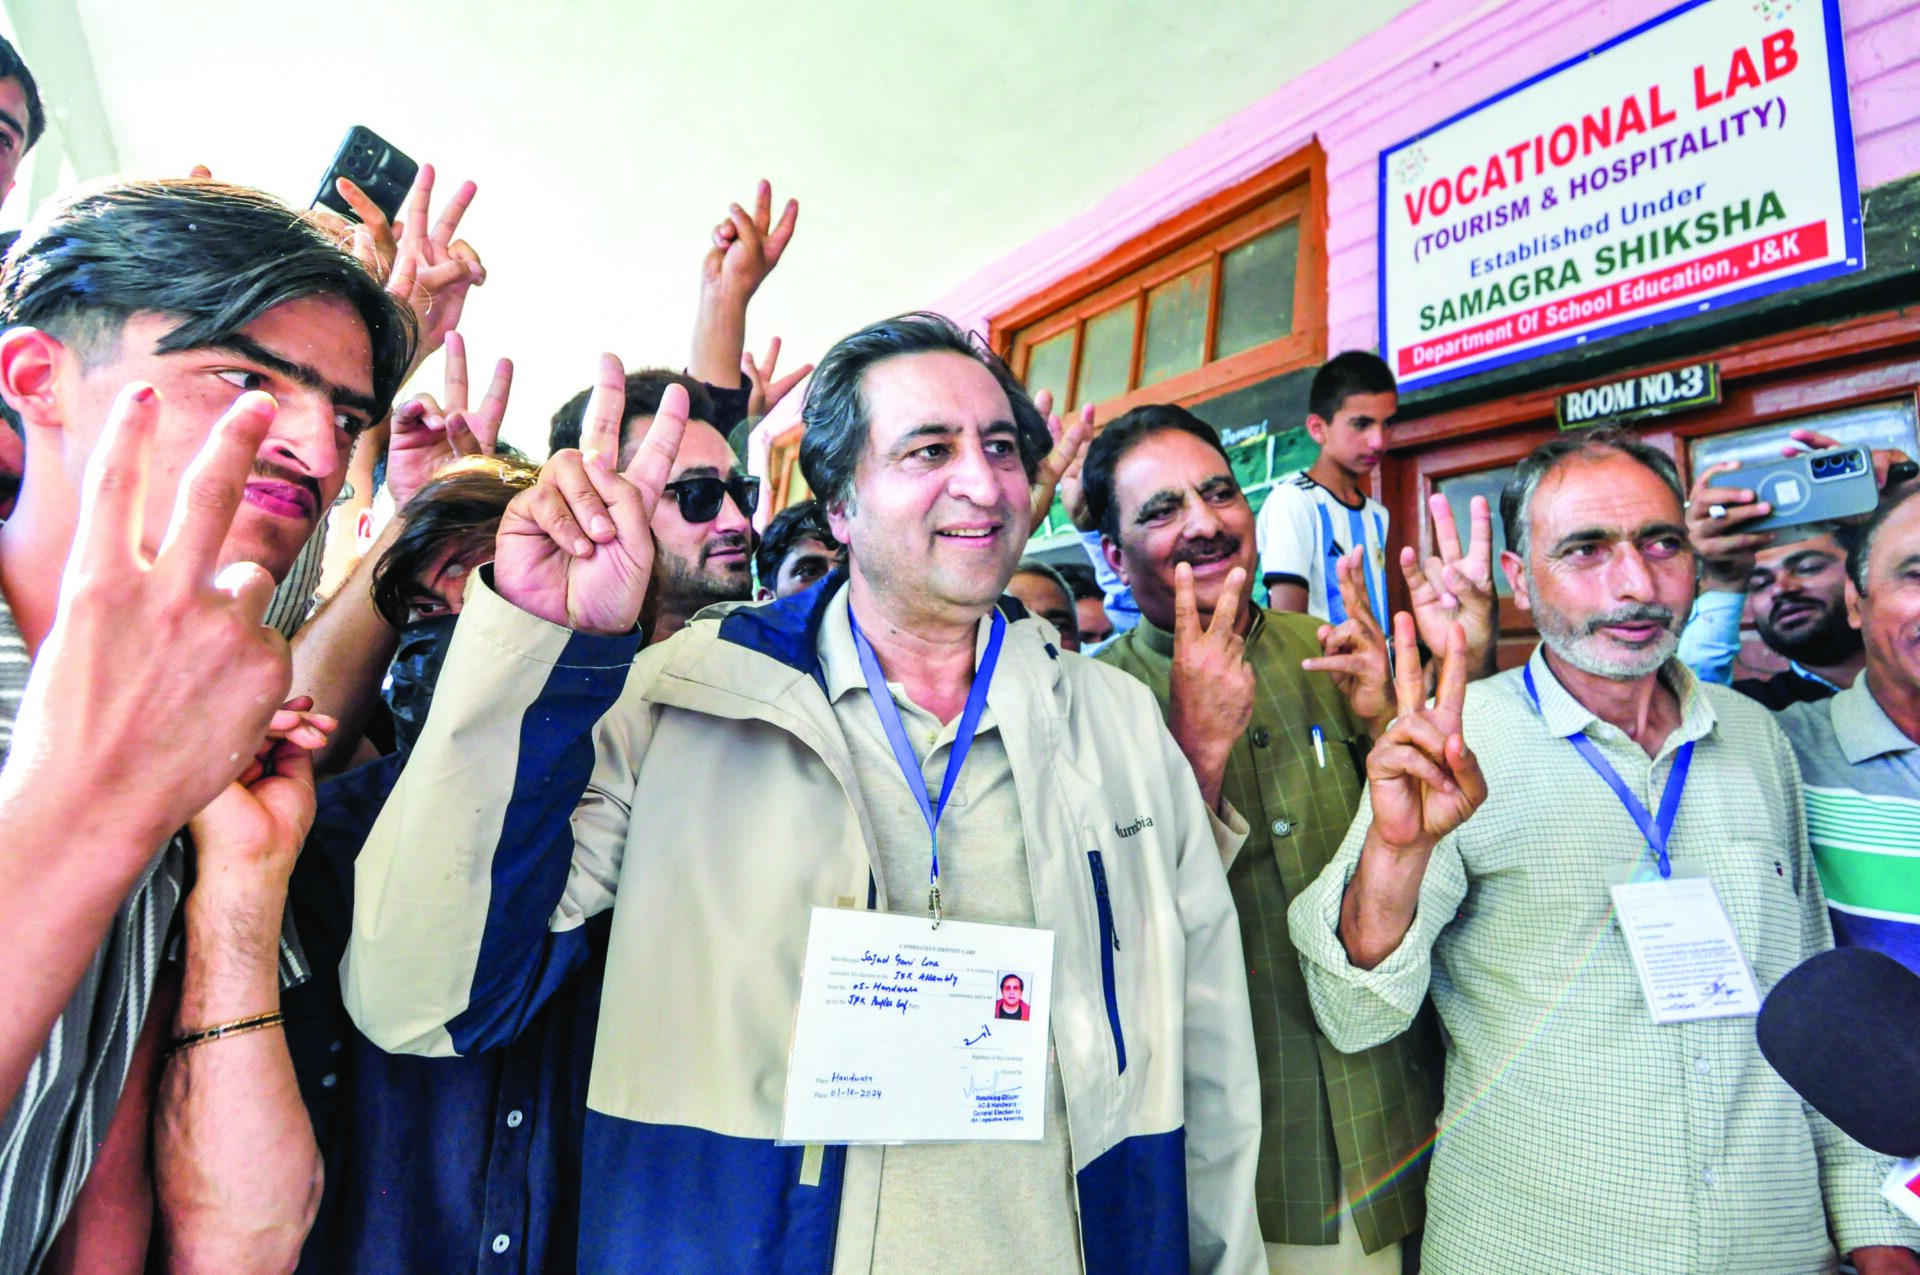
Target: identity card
x=911 y=1033
x=1684 y=948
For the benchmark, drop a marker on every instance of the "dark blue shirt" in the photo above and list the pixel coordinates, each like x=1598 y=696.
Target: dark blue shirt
x=432 y=1164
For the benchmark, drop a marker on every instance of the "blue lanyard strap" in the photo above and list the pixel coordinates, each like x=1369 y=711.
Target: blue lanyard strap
x=903 y=750
x=1655 y=829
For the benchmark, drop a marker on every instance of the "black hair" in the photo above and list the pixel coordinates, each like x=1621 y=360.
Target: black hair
x=802 y=520
x=1858 y=540
x=1595 y=442
x=1343 y=376
x=212 y=255
x=644 y=391
x=1080 y=578
x=14 y=67
x=460 y=508
x=835 y=414
x=1121 y=436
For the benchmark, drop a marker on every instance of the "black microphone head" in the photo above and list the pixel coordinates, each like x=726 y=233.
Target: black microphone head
x=1844 y=1030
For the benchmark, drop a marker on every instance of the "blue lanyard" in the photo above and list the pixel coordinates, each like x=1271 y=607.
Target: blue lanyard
x=1656 y=831
x=903 y=750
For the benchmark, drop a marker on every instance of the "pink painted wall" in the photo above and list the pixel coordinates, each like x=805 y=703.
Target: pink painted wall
x=1435 y=59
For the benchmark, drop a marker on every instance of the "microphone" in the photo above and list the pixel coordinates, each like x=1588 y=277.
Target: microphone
x=1844 y=1030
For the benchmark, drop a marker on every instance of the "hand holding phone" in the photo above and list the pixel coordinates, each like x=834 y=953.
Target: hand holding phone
x=1829 y=485
x=382 y=171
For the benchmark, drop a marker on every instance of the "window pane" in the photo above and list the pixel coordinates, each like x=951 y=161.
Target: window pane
x=1048 y=365
x=1107 y=357
x=1176 y=325
x=1256 y=290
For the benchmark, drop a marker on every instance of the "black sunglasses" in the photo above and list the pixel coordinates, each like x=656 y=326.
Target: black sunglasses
x=699 y=498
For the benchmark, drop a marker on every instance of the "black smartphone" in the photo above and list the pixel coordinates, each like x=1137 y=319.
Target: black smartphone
x=375 y=165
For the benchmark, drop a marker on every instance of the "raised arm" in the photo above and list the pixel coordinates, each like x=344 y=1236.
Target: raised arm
x=109 y=755
x=1422 y=782
x=746 y=248
x=505 y=830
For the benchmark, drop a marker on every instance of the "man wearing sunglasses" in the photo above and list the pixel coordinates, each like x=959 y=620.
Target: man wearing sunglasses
x=703 y=528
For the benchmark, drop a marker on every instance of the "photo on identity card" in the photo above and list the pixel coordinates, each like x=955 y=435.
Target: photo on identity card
x=1013 y=996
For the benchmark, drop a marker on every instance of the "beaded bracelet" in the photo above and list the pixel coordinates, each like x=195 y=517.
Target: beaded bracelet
x=238 y=1027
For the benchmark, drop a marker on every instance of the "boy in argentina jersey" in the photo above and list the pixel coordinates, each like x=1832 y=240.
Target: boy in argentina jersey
x=1313 y=518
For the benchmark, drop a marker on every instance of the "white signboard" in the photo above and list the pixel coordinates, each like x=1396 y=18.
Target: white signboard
x=1701 y=159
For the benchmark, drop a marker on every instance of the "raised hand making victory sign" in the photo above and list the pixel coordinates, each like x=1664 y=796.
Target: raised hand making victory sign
x=576 y=548
x=1210 y=699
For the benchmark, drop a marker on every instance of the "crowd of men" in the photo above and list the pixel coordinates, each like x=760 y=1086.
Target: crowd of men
x=410 y=847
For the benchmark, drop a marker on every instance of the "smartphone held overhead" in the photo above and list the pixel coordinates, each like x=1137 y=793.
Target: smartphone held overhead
x=378 y=167
x=1822 y=486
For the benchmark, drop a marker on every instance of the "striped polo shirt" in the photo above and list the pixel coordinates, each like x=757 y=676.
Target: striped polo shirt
x=1863 y=818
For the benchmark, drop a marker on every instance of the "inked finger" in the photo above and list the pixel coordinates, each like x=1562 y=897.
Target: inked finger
x=112 y=523
x=211 y=488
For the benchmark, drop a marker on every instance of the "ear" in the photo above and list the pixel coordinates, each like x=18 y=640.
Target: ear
x=763 y=594
x=363 y=532
x=837 y=520
x=30 y=363
x=1856 y=607
x=1317 y=429
x=1110 y=549
x=1515 y=569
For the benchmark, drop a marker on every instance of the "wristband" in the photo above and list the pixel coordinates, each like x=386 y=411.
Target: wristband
x=238 y=1027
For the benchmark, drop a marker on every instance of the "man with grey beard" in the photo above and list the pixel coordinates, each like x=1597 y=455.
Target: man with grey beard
x=1598 y=1118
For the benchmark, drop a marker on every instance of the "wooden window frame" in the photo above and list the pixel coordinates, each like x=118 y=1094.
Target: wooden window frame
x=1294 y=189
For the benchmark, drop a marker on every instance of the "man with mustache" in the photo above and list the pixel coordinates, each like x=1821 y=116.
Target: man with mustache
x=1592 y=1126
x=1797 y=590
x=1276 y=711
x=149 y=382
x=1315 y=518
